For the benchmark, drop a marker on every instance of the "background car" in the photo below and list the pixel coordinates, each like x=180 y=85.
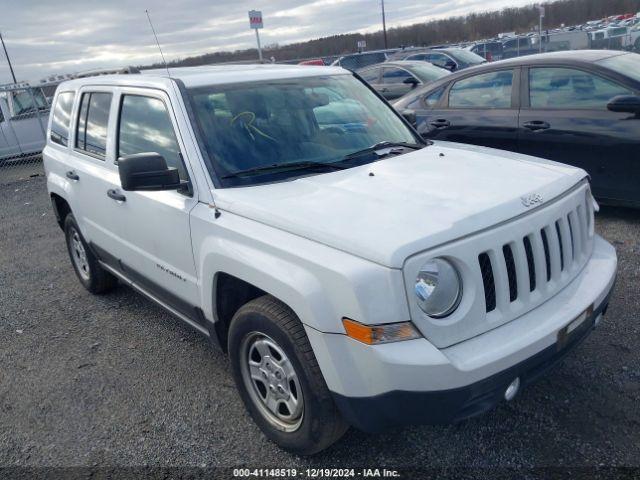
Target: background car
x=360 y=60
x=490 y=51
x=395 y=79
x=580 y=108
x=453 y=59
x=313 y=61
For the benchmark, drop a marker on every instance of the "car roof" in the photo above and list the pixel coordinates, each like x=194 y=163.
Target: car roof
x=559 y=57
x=193 y=77
x=399 y=63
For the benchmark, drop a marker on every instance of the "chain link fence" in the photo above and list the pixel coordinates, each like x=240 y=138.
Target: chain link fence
x=24 y=113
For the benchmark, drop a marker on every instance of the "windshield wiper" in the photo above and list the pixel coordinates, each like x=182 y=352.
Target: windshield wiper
x=284 y=167
x=383 y=146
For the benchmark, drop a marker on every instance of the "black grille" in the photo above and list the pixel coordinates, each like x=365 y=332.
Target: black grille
x=511 y=272
x=488 y=281
x=561 y=246
x=547 y=256
x=530 y=263
x=573 y=242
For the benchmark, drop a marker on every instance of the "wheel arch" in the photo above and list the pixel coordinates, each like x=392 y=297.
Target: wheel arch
x=236 y=282
x=61 y=208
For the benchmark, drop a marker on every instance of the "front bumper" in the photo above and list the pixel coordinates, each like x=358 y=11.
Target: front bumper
x=412 y=382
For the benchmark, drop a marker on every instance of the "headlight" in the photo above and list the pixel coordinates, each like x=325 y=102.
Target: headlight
x=438 y=288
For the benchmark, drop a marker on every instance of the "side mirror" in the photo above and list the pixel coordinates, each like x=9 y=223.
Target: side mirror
x=147 y=172
x=625 y=104
x=413 y=81
x=410 y=116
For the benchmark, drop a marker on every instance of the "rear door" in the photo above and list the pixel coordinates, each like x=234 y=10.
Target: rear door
x=564 y=117
x=480 y=109
x=90 y=171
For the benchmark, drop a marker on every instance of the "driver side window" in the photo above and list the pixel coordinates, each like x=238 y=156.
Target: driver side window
x=489 y=90
x=145 y=126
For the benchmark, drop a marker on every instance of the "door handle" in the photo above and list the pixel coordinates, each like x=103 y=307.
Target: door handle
x=117 y=196
x=73 y=175
x=384 y=89
x=440 y=123
x=536 y=125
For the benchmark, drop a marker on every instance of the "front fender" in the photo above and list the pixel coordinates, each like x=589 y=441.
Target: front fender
x=319 y=283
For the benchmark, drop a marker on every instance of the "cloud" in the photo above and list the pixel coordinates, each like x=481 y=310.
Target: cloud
x=45 y=37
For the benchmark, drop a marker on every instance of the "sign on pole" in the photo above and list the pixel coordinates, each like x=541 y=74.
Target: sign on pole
x=541 y=10
x=255 y=22
x=362 y=44
x=255 y=19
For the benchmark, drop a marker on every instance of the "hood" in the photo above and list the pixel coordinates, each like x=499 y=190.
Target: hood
x=411 y=203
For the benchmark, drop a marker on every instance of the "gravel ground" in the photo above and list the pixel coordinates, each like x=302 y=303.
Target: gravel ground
x=115 y=381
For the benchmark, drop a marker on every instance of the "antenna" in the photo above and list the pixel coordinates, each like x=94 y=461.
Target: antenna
x=158 y=43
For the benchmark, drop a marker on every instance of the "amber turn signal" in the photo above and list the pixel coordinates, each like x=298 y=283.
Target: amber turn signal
x=377 y=334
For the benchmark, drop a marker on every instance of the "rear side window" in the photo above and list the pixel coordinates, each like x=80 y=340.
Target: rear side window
x=93 y=120
x=552 y=88
x=145 y=126
x=489 y=90
x=61 y=118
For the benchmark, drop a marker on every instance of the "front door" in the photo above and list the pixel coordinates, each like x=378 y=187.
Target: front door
x=157 y=253
x=565 y=118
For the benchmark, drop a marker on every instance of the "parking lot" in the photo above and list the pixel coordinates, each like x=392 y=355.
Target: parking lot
x=116 y=381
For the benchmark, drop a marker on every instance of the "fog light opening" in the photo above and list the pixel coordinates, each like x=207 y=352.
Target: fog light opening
x=512 y=389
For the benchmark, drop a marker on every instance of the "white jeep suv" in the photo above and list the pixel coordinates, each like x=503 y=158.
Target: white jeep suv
x=355 y=274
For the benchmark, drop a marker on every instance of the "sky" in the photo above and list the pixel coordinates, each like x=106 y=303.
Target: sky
x=45 y=37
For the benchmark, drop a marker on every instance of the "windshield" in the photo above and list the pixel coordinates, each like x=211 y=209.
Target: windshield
x=317 y=119
x=466 y=57
x=427 y=72
x=627 y=65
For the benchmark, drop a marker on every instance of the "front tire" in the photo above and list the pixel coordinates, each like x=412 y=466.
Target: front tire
x=279 y=380
x=91 y=275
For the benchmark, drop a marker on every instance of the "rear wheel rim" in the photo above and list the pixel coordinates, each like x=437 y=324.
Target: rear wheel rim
x=79 y=254
x=271 y=381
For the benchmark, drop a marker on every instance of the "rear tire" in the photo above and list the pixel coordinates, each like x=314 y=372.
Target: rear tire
x=91 y=275
x=294 y=408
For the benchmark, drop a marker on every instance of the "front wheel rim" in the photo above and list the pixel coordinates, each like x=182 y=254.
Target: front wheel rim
x=79 y=254
x=271 y=381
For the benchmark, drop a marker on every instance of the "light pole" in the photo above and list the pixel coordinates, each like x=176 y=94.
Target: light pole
x=384 y=25
x=541 y=11
x=13 y=75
